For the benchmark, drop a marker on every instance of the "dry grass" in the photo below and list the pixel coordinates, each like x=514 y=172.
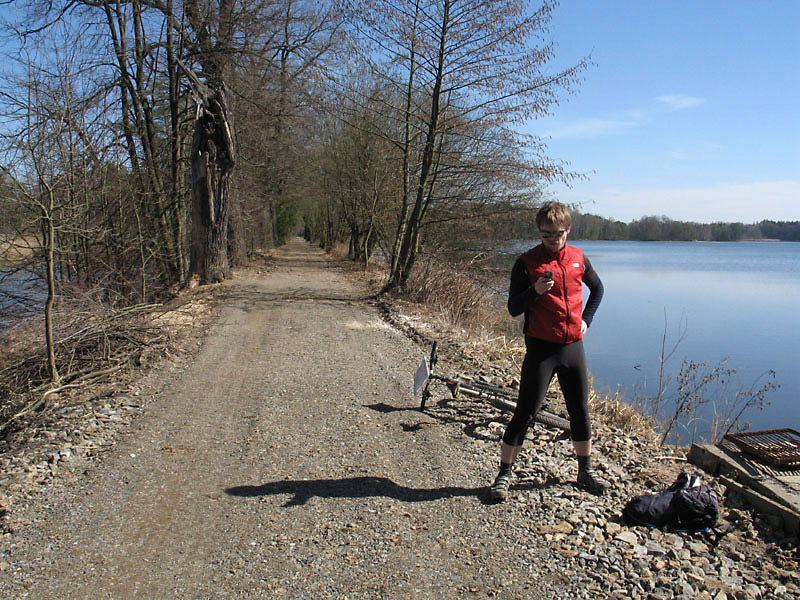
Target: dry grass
x=615 y=412
x=458 y=298
x=339 y=251
x=95 y=344
x=15 y=250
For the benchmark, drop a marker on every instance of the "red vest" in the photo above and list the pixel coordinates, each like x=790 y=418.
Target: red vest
x=556 y=315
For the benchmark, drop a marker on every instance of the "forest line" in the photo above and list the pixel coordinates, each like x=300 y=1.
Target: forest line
x=586 y=226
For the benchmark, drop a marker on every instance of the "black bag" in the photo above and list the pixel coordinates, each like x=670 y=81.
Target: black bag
x=686 y=504
x=649 y=509
x=694 y=508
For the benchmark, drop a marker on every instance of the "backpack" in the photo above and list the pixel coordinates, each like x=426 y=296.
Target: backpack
x=687 y=504
x=694 y=508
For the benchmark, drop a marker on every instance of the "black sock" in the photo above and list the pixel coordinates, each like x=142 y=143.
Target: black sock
x=505 y=468
x=584 y=463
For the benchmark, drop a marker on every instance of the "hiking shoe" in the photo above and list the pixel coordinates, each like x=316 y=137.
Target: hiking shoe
x=591 y=481
x=499 y=490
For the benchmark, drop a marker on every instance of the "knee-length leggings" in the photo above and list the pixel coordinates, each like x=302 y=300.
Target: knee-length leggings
x=542 y=360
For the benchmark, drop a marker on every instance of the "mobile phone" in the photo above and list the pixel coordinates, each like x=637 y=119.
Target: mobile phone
x=548 y=275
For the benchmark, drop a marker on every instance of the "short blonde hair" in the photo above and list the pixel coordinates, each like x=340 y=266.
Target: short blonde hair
x=554 y=213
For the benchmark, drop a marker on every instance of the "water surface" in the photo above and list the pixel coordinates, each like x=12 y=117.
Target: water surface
x=733 y=300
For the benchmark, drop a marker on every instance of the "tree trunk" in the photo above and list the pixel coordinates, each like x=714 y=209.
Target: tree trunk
x=405 y=208
x=408 y=248
x=48 y=235
x=212 y=165
x=237 y=243
x=176 y=141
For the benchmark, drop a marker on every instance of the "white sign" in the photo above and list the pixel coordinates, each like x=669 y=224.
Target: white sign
x=421 y=376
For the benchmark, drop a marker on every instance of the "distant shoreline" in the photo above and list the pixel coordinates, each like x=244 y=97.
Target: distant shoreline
x=690 y=241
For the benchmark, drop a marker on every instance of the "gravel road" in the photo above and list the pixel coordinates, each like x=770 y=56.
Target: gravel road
x=287 y=460
x=284 y=461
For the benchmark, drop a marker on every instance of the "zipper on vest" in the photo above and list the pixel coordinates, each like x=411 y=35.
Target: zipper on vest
x=566 y=300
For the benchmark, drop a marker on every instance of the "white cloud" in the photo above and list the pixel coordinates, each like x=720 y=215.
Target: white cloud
x=698 y=151
x=588 y=128
x=680 y=102
x=635 y=117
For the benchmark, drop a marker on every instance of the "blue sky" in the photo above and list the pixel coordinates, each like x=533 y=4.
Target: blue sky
x=691 y=110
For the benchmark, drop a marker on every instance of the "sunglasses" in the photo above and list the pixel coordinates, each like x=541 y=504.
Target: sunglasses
x=552 y=234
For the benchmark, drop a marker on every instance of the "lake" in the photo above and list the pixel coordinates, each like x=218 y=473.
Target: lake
x=735 y=300
x=17 y=288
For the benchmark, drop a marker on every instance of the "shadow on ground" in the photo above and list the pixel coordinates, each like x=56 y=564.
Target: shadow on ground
x=351 y=487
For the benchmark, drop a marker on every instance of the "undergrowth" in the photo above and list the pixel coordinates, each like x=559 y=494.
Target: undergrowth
x=95 y=344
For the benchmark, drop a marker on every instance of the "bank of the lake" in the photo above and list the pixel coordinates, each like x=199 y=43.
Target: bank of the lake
x=736 y=300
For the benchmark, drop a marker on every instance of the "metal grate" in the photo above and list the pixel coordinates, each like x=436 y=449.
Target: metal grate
x=779 y=447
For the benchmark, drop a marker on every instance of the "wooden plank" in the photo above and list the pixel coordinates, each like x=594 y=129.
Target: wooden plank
x=717 y=461
x=789 y=518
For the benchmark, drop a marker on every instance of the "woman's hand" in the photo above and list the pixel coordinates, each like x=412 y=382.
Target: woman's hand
x=543 y=285
x=584 y=327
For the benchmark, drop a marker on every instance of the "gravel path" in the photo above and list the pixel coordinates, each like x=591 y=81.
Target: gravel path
x=286 y=460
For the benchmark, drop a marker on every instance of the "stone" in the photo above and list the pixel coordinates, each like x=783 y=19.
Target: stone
x=655 y=548
x=684 y=588
x=698 y=547
x=613 y=528
x=672 y=540
x=660 y=593
x=563 y=528
x=754 y=590
x=627 y=536
x=576 y=518
x=736 y=555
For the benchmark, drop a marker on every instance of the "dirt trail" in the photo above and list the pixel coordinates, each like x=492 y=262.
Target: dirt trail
x=285 y=461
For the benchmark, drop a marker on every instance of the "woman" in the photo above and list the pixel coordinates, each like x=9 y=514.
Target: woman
x=546 y=285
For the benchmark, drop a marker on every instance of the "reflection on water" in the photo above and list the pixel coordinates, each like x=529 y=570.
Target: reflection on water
x=20 y=292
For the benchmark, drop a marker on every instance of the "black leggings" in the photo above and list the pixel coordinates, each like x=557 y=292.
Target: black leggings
x=542 y=360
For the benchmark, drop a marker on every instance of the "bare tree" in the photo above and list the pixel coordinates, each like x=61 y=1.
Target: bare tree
x=465 y=72
x=41 y=170
x=359 y=177
x=138 y=69
x=262 y=58
x=276 y=89
x=137 y=199
x=212 y=163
